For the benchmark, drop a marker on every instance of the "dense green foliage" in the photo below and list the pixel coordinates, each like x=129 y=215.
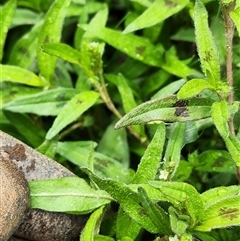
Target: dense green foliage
x=137 y=98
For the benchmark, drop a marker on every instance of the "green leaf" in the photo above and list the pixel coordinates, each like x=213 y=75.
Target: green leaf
x=221 y=112
x=33 y=135
x=223 y=212
x=98 y=21
x=126 y=227
x=184 y=195
x=83 y=19
x=158 y=216
x=179 y=222
x=137 y=47
x=35 y=5
x=72 y=110
x=170 y=89
x=141 y=49
x=155 y=82
x=127 y=96
x=92 y=226
x=126 y=93
x=183 y=171
x=6 y=15
x=91 y=50
x=208 y=236
x=49 y=147
x=104 y=166
x=24 y=16
x=19 y=75
x=233 y=146
x=149 y=162
x=235 y=16
x=68 y=194
x=145 y=3
x=24 y=51
x=115 y=145
x=174 y=65
x=220 y=116
x=167 y=109
x=215 y=161
x=128 y=199
x=217 y=194
x=51 y=33
x=193 y=88
x=102 y=238
x=62 y=51
x=156 y=13
x=126 y=239
x=45 y=103
x=206 y=47
x=173 y=151
x=10 y=91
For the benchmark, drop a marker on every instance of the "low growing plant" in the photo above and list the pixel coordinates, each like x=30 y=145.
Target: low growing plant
x=68 y=81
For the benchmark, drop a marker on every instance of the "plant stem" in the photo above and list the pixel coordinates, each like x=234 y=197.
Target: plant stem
x=69 y=130
x=106 y=98
x=229 y=32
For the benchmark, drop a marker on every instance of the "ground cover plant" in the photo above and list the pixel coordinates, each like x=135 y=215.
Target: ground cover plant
x=141 y=100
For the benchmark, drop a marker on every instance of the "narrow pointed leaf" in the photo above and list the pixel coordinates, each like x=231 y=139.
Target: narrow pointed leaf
x=63 y=51
x=149 y=163
x=104 y=166
x=19 y=75
x=68 y=194
x=141 y=49
x=128 y=199
x=6 y=15
x=158 y=216
x=173 y=151
x=145 y=3
x=185 y=195
x=93 y=225
x=72 y=110
x=193 y=88
x=179 y=223
x=235 y=16
x=156 y=13
x=222 y=214
x=216 y=161
x=45 y=103
x=51 y=33
x=127 y=93
x=205 y=43
x=115 y=145
x=24 y=51
x=99 y=237
x=33 y=134
x=126 y=226
x=217 y=194
x=220 y=116
x=168 y=109
x=49 y=147
x=233 y=146
x=137 y=47
x=170 y=89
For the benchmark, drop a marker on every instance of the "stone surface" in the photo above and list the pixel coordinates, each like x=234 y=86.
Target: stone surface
x=39 y=225
x=14 y=198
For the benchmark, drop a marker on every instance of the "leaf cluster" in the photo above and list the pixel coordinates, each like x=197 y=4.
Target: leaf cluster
x=74 y=73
